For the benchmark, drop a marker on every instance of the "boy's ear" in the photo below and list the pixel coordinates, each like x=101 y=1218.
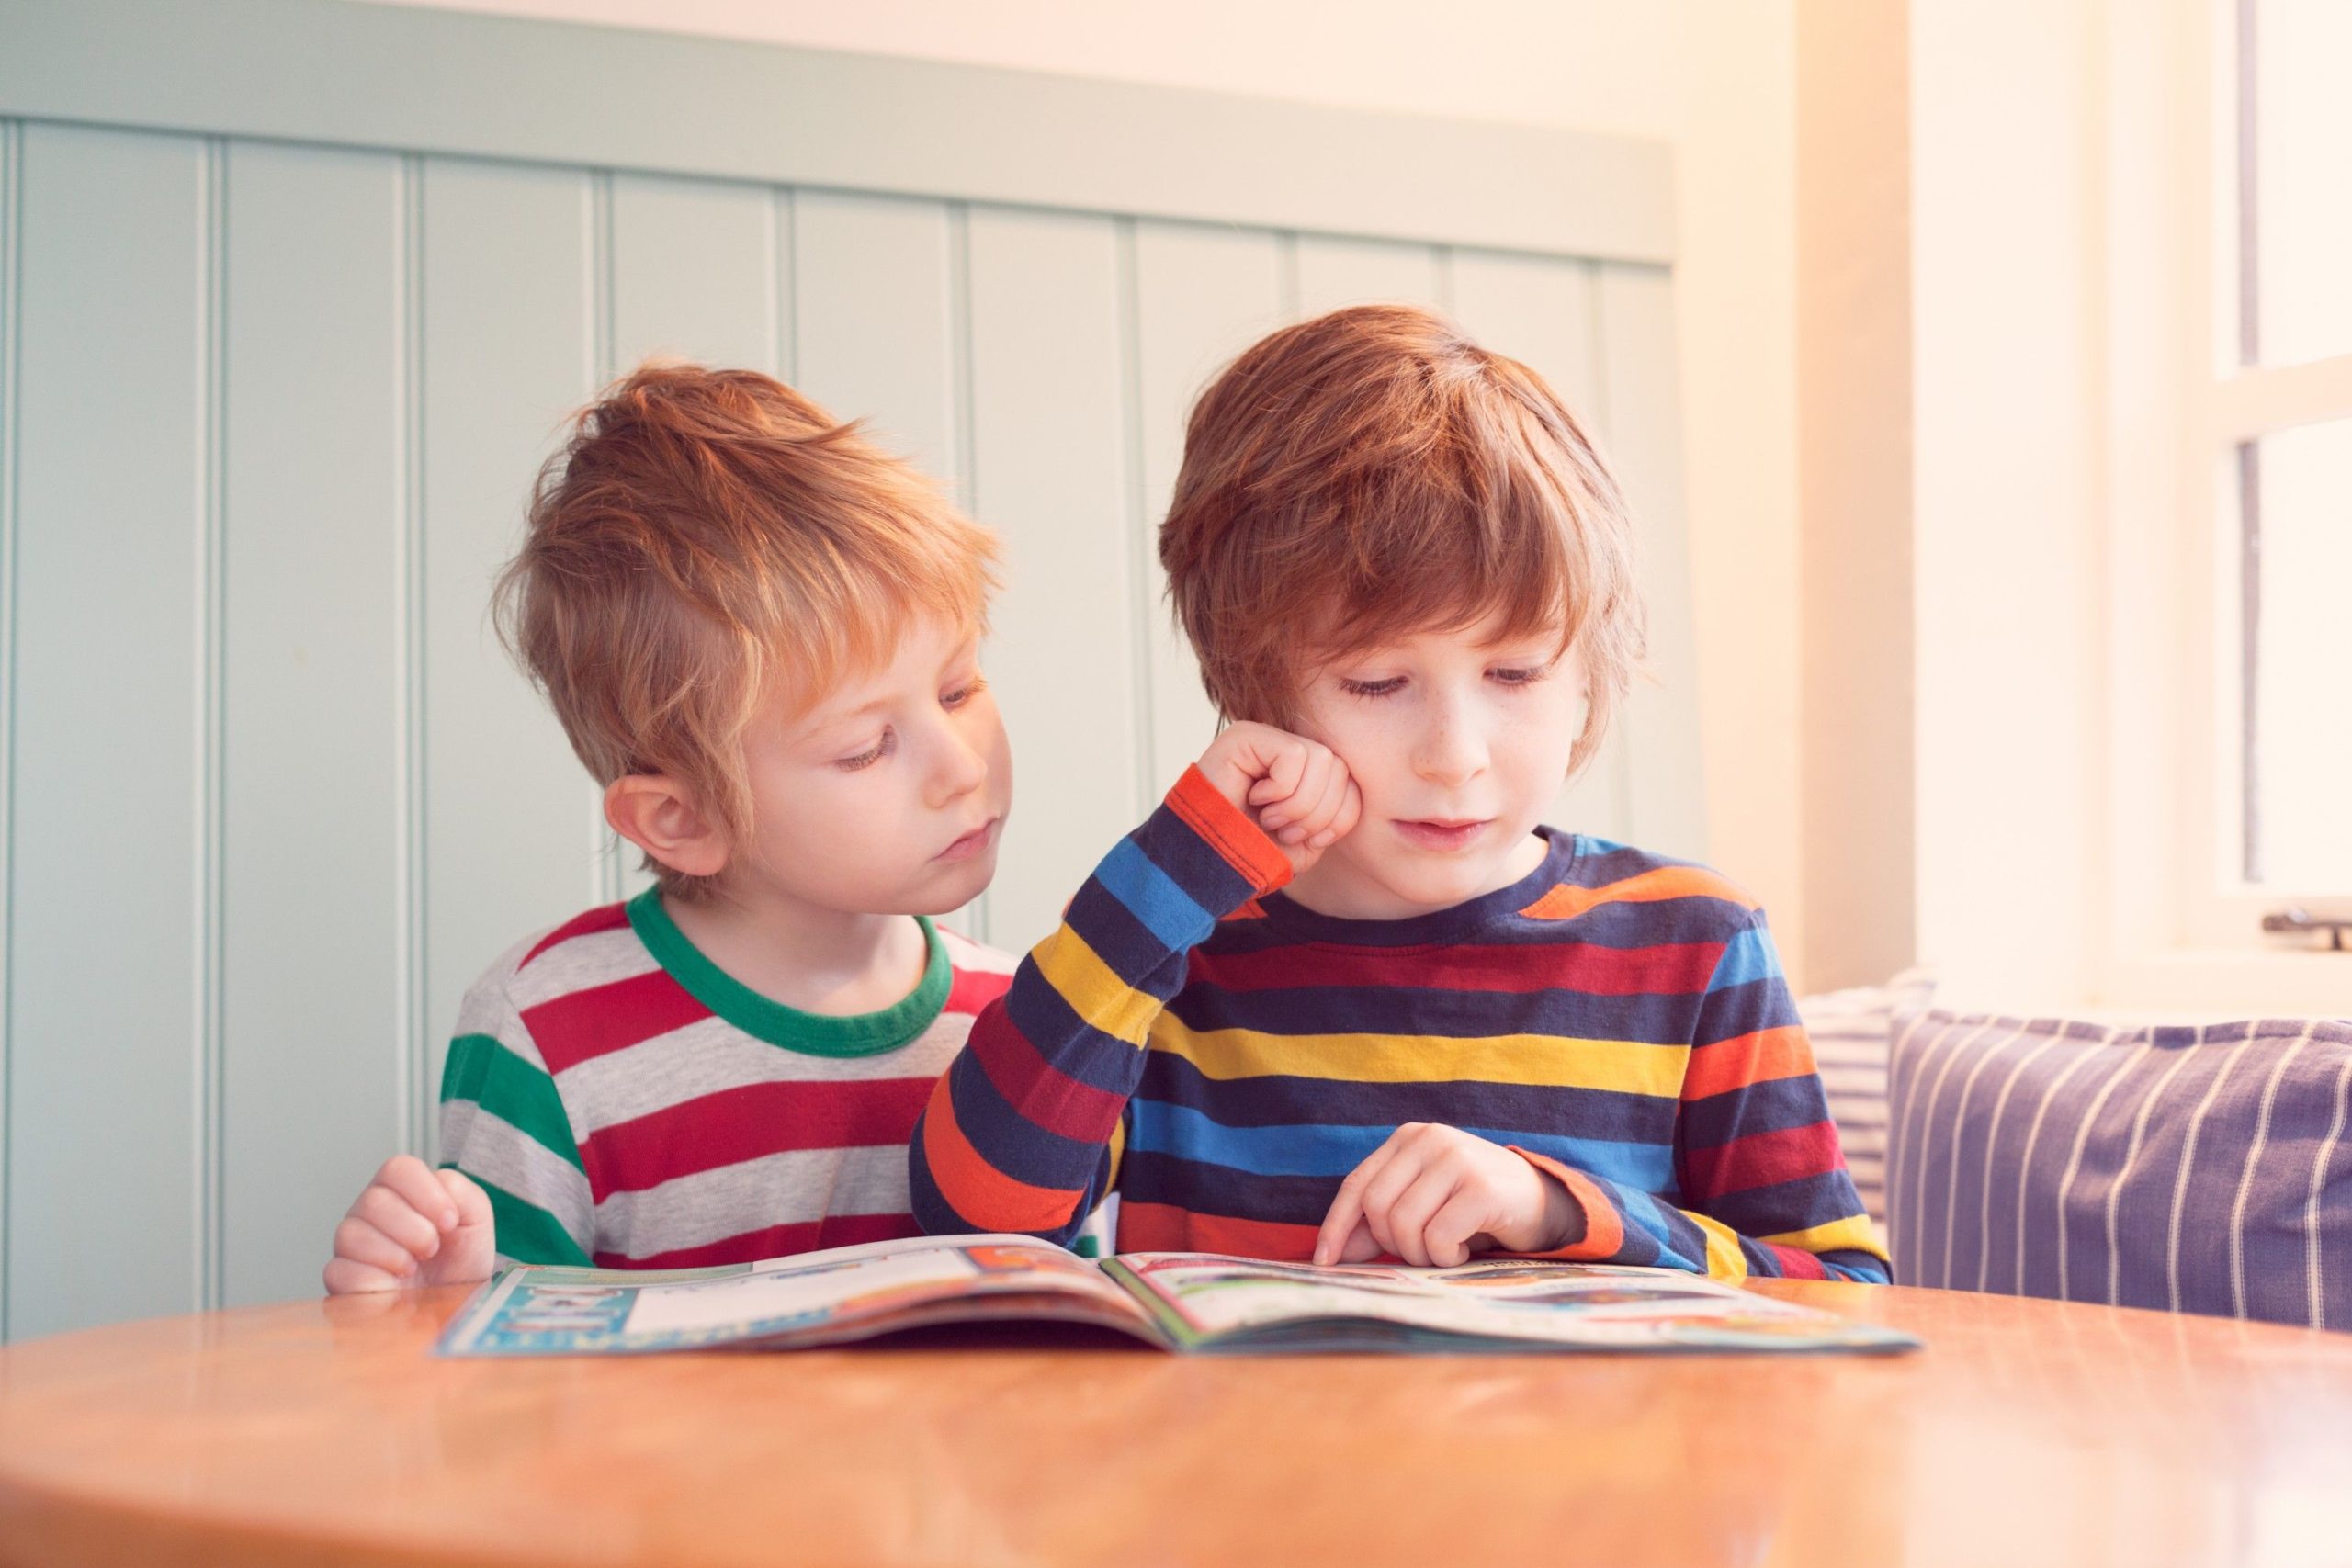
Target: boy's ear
x=656 y=814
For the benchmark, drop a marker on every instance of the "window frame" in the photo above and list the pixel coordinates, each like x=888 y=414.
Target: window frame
x=2183 y=927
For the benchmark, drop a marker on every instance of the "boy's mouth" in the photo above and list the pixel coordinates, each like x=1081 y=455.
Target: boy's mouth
x=1442 y=833
x=971 y=843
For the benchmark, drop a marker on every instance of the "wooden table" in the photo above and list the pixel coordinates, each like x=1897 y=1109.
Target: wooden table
x=2027 y=1432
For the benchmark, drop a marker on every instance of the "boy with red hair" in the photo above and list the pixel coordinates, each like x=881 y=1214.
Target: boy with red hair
x=1342 y=995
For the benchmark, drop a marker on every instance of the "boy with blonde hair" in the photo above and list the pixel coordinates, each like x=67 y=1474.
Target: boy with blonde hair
x=1341 y=995
x=760 y=635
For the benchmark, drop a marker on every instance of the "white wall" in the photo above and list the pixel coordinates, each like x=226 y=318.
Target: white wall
x=1854 y=410
x=1951 y=385
x=2007 y=208
x=2000 y=233
x=1713 y=77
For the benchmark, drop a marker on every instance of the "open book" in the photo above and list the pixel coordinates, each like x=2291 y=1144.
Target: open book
x=1177 y=1301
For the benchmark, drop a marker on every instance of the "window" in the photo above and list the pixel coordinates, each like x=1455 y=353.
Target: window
x=2278 y=427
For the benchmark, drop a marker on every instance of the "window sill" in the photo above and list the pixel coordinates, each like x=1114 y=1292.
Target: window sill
x=2215 y=984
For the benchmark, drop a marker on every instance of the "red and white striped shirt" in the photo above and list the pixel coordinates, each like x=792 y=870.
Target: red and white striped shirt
x=625 y=1102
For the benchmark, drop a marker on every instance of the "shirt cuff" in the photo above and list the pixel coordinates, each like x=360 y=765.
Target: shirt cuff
x=1229 y=830
x=1604 y=1229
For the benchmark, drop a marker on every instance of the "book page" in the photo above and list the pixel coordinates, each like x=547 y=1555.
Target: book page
x=862 y=1285
x=1594 y=1305
x=812 y=1297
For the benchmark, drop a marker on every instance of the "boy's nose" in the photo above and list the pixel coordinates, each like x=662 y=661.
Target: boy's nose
x=1450 y=753
x=961 y=769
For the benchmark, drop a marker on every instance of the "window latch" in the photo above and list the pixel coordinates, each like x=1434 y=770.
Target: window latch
x=2301 y=922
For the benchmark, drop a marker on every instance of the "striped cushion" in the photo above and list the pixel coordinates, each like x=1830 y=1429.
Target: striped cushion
x=2201 y=1169
x=1850 y=1031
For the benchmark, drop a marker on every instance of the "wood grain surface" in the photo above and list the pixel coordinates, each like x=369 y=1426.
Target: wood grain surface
x=2026 y=1432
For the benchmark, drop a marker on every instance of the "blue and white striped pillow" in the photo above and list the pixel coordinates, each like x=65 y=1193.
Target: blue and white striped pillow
x=1850 y=1031
x=2201 y=1169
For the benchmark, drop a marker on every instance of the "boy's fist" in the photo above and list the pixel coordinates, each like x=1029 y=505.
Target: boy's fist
x=1432 y=1195
x=1299 y=790
x=412 y=1226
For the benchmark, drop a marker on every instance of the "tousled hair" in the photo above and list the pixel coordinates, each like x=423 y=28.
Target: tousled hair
x=1373 y=474
x=708 y=541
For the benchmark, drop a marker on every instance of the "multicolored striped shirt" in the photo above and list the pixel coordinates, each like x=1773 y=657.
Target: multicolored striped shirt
x=625 y=1103
x=1223 y=1057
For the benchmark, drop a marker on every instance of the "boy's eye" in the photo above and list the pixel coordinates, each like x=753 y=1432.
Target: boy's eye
x=870 y=756
x=1520 y=674
x=1373 y=688
x=962 y=693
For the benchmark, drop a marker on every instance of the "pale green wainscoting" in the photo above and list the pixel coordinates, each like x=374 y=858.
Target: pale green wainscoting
x=293 y=296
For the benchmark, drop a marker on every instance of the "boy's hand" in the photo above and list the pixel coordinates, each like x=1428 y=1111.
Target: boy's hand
x=1300 y=790
x=1432 y=1195
x=412 y=1226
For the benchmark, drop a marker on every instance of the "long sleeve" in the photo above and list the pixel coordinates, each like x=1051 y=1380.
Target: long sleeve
x=1019 y=1134
x=503 y=1124
x=1763 y=1186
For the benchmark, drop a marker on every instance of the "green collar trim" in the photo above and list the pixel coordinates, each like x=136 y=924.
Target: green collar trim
x=810 y=1034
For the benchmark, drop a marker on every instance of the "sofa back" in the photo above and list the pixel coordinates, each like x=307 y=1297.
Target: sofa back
x=2199 y=1169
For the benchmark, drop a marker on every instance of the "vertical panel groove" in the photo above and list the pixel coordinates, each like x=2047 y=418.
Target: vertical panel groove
x=1598 y=423
x=1618 y=756
x=12 y=152
x=772 y=255
x=411 y=1024
x=601 y=328
x=212 y=512
x=966 y=479
x=959 y=345
x=788 y=292
x=1597 y=326
x=779 y=284
x=605 y=846
x=1139 y=534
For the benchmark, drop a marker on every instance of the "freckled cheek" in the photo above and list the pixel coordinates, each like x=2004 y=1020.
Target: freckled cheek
x=1536 y=765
